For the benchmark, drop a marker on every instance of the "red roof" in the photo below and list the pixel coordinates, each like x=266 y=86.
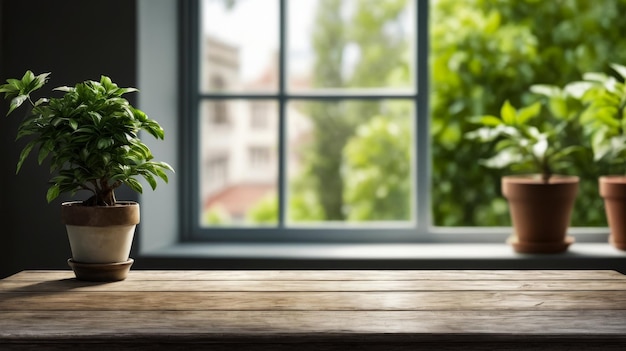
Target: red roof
x=237 y=199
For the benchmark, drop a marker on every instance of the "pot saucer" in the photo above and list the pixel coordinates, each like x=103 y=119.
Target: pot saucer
x=101 y=272
x=530 y=247
x=620 y=245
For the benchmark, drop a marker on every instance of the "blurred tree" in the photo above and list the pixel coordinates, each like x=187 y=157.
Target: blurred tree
x=377 y=170
x=380 y=53
x=216 y=216
x=264 y=211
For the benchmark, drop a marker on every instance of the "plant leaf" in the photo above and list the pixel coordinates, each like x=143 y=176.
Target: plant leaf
x=621 y=70
x=151 y=180
x=53 y=192
x=577 y=89
x=540 y=148
x=490 y=121
x=134 y=185
x=526 y=113
x=16 y=102
x=545 y=89
x=25 y=152
x=502 y=159
x=508 y=113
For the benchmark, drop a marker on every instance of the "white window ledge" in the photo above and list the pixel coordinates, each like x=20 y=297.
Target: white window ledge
x=379 y=256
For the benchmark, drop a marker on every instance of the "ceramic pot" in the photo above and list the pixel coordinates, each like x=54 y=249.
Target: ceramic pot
x=540 y=212
x=613 y=190
x=100 y=238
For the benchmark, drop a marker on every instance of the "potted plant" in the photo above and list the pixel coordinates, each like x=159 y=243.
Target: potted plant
x=540 y=201
x=605 y=121
x=90 y=135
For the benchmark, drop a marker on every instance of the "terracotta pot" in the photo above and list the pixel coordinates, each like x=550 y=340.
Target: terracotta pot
x=540 y=212
x=100 y=238
x=613 y=190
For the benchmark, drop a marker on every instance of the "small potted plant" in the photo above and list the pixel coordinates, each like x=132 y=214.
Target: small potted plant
x=605 y=121
x=90 y=135
x=540 y=201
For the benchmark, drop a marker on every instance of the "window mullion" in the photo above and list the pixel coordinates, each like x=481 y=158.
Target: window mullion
x=422 y=125
x=282 y=132
x=191 y=37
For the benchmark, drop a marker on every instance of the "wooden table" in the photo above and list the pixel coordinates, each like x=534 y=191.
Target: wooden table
x=316 y=310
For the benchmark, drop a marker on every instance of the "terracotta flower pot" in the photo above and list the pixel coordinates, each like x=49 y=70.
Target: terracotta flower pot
x=100 y=239
x=540 y=212
x=613 y=190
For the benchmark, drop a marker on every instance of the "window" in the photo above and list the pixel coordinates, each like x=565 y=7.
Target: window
x=217 y=173
x=312 y=114
x=217 y=114
x=360 y=108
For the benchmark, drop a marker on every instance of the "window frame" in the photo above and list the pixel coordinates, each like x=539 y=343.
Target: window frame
x=420 y=230
x=325 y=231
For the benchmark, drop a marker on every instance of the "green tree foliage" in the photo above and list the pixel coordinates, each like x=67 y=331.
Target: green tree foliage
x=217 y=216
x=330 y=130
x=382 y=59
x=486 y=52
x=265 y=211
x=377 y=181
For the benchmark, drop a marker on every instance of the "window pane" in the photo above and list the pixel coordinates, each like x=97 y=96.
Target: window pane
x=239 y=46
x=350 y=161
x=355 y=44
x=239 y=162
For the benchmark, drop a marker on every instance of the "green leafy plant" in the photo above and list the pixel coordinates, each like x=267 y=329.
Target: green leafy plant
x=90 y=135
x=525 y=142
x=605 y=114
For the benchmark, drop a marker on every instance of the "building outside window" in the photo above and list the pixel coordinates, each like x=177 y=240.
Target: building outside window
x=360 y=108
x=259 y=113
x=259 y=157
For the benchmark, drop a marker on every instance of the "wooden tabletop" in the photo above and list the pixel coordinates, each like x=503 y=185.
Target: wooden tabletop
x=316 y=310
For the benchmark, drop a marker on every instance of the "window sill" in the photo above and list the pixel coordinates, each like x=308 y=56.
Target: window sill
x=377 y=256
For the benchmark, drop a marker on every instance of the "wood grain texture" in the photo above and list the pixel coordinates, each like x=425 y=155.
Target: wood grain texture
x=315 y=285
x=351 y=324
x=343 y=275
x=316 y=301
x=316 y=310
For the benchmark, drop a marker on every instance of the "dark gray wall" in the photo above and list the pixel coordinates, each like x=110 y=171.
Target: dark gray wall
x=75 y=40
